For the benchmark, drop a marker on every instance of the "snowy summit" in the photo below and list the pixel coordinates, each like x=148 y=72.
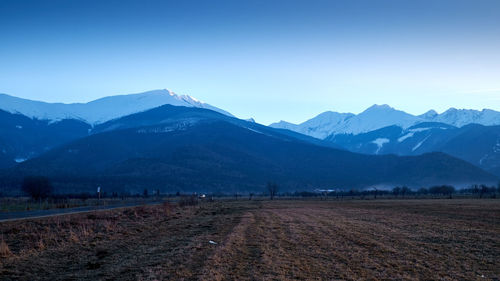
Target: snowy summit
x=100 y=110
x=380 y=116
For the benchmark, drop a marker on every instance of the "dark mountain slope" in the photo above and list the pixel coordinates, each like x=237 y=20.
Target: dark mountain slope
x=23 y=138
x=178 y=116
x=211 y=154
x=477 y=144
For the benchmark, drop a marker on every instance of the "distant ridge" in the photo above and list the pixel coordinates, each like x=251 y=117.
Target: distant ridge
x=380 y=116
x=100 y=110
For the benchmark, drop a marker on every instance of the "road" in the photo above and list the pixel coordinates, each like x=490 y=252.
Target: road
x=11 y=216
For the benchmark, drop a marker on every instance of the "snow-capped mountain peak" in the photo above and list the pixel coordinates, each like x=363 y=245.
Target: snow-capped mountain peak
x=100 y=110
x=380 y=116
x=462 y=117
x=379 y=107
x=376 y=117
x=429 y=114
x=319 y=126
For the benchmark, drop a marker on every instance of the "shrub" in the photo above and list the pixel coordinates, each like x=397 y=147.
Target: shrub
x=37 y=187
x=442 y=189
x=167 y=207
x=188 y=201
x=423 y=190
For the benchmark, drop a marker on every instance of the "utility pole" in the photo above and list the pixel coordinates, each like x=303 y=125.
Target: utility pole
x=98 y=195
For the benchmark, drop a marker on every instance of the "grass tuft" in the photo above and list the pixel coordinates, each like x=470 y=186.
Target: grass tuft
x=4 y=249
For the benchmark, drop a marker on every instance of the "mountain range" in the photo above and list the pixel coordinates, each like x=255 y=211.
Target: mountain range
x=470 y=135
x=380 y=116
x=477 y=144
x=175 y=148
x=129 y=143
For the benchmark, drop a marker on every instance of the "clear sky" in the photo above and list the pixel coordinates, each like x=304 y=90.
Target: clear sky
x=270 y=60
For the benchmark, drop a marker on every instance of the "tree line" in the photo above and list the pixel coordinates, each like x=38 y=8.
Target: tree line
x=40 y=188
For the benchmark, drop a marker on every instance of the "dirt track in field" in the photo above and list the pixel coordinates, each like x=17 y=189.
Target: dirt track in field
x=280 y=240
x=361 y=241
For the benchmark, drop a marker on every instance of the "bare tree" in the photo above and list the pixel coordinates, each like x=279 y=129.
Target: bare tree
x=483 y=190
x=423 y=191
x=396 y=190
x=272 y=188
x=405 y=190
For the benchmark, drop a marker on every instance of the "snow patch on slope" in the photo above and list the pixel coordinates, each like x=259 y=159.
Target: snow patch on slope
x=409 y=135
x=412 y=132
x=419 y=144
x=496 y=148
x=380 y=143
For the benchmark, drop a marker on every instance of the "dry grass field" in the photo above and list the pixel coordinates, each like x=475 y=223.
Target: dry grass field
x=261 y=240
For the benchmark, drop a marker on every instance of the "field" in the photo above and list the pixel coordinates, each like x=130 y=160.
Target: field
x=456 y=239
x=17 y=204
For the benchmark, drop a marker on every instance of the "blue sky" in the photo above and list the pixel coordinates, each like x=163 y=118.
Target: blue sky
x=270 y=60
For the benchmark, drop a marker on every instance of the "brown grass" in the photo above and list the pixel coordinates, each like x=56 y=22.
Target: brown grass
x=403 y=240
x=263 y=240
x=4 y=249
